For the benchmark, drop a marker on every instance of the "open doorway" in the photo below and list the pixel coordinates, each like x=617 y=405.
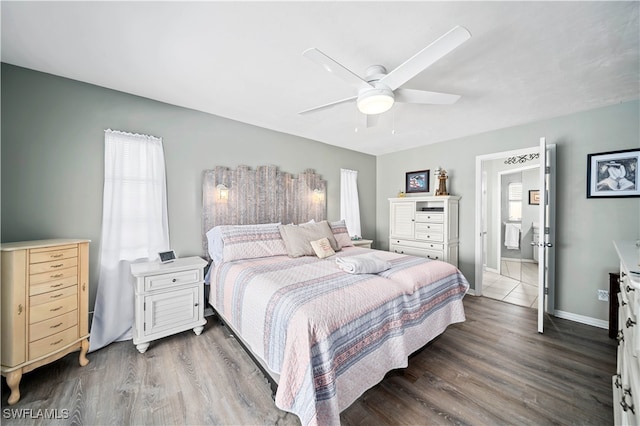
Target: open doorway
x=507 y=195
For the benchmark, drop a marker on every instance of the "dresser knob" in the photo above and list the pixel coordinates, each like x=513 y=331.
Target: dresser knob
x=174 y=280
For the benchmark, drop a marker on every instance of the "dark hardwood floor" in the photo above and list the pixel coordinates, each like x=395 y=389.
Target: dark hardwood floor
x=494 y=369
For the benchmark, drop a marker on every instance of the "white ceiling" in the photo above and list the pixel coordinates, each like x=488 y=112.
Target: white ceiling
x=526 y=61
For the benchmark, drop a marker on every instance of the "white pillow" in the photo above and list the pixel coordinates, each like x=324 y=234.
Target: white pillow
x=322 y=248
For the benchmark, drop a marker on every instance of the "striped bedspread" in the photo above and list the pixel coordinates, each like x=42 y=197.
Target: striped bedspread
x=331 y=335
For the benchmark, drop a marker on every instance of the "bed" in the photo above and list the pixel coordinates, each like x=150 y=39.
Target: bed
x=324 y=335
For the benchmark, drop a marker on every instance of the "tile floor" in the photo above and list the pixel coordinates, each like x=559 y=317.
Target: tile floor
x=518 y=283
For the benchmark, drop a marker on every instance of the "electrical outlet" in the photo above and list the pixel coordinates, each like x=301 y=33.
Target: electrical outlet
x=603 y=295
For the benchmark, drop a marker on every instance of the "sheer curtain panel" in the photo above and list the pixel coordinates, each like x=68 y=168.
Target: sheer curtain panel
x=134 y=228
x=349 y=204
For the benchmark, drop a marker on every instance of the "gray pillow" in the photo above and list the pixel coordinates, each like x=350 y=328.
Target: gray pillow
x=297 y=238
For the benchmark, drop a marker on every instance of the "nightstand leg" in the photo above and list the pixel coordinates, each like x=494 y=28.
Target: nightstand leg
x=83 y=353
x=198 y=330
x=142 y=347
x=13 y=381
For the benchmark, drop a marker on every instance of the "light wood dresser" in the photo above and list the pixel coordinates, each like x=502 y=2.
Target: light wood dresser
x=169 y=299
x=626 y=382
x=45 y=304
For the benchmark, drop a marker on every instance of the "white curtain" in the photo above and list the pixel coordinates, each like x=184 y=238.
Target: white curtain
x=349 y=205
x=134 y=227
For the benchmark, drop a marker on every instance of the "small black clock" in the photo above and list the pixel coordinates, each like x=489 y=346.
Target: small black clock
x=167 y=256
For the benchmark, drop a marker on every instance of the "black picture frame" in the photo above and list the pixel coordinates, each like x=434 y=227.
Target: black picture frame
x=417 y=181
x=613 y=174
x=534 y=197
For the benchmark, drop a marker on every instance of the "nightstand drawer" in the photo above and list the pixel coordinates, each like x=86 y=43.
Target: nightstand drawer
x=53 y=309
x=52 y=343
x=51 y=326
x=155 y=282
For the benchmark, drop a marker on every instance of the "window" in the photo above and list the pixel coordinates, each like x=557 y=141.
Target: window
x=515 y=201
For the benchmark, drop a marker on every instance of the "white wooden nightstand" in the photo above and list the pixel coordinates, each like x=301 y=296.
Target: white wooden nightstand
x=362 y=243
x=169 y=298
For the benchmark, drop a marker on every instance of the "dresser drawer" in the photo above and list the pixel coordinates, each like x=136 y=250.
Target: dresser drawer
x=53 y=296
x=57 y=253
x=155 y=282
x=430 y=217
x=52 y=343
x=52 y=309
x=429 y=227
x=53 y=265
x=53 y=276
x=53 y=285
x=430 y=236
x=51 y=326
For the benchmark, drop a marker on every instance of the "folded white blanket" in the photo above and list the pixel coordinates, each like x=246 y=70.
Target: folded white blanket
x=367 y=263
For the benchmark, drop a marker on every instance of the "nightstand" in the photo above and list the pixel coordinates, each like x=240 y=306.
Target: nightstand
x=169 y=299
x=362 y=243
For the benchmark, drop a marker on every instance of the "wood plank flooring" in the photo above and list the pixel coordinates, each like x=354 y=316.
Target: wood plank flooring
x=494 y=369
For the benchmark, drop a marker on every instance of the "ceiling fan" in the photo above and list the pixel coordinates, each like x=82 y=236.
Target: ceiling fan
x=379 y=90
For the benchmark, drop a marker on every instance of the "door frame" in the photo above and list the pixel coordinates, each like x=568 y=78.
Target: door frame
x=478 y=236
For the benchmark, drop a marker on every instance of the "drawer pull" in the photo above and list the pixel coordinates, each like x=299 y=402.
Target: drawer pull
x=20 y=309
x=56 y=309
x=618 y=383
x=630 y=323
x=622 y=274
x=55 y=296
x=56 y=276
x=626 y=406
x=60 y=341
x=56 y=256
x=56 y=326
x=57 y=266
x=174 y=280
x=630 y=289
x=620 y=337
x=56 y=285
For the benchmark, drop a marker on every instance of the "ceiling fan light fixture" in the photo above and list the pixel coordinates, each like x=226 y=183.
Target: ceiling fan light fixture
x=375 y=101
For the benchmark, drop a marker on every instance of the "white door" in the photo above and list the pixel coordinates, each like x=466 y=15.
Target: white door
x=546 y=244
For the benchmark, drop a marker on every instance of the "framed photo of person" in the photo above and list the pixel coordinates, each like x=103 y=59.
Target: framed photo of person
x=613 y=174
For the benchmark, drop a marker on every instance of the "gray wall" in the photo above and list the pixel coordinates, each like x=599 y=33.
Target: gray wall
x=53 y=159
x=585 y=227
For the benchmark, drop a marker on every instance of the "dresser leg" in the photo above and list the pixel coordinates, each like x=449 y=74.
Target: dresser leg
x=13 y=381
x=142 y=347
x=83 y=352
x=198 y=330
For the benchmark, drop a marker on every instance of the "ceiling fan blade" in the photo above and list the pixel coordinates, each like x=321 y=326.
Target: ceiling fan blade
x=335 y=68
x=411 y=96
x=329 y=105
x=426 y=57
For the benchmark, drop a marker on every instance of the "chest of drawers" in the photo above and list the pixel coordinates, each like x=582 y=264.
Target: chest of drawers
x=169 y=298
x=626 y=382
x=425 y=226
x=45 y=301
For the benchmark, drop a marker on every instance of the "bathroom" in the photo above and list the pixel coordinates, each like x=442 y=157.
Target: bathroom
x=510 y=270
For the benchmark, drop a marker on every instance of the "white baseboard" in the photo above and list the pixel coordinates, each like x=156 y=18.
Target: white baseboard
x=582 y=319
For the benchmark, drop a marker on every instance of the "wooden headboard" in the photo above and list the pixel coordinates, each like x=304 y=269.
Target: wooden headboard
x=264 y=195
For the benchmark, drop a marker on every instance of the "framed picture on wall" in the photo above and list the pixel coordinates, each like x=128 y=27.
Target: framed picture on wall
x=534 y=197
x=417 y=182
x=613 y=174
